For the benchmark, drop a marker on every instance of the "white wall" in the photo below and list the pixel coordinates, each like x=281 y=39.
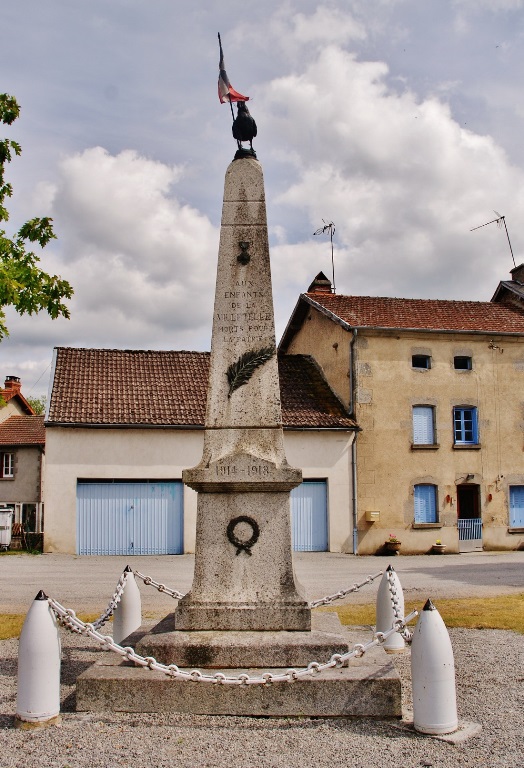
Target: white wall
x=162 y=454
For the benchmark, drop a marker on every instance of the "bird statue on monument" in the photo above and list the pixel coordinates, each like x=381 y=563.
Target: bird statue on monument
x=244 y=126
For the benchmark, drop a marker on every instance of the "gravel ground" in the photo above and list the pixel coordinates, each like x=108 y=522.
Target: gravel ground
x=490 y=691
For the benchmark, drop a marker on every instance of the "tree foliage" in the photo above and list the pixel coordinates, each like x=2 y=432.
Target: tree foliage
x=38 y=404
x=23 y=285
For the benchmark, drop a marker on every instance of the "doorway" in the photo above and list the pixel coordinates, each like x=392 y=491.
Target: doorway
x=469 y=520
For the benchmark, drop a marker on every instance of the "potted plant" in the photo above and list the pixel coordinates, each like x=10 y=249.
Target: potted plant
x=438 y=548
x=392 y=544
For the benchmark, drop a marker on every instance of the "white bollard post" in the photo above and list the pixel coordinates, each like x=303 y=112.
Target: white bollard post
x=433 y=675
x=128 y=613
x=387 y=611
x=38 y=695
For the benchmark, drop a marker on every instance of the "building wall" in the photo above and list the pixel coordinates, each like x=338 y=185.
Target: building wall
x=25 y=486
x=11 y=408
x=73 y=453
x=386 y=389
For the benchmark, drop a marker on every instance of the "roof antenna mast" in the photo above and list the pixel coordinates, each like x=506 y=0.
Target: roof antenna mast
x=500 y=220
x=322 y=231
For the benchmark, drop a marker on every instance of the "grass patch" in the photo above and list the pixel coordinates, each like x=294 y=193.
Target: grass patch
x=502 y=612
x=11 y=623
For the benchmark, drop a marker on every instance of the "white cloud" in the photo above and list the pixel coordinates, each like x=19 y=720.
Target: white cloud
x=402 y=180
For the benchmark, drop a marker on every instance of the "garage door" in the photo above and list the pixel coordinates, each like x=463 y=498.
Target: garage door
x=309 y=516
x=130 y=518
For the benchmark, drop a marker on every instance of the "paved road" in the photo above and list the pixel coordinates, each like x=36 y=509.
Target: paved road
x=86 y=583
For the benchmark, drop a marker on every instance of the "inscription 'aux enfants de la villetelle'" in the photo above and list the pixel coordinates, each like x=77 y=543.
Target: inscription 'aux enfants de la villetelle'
x=244 y=322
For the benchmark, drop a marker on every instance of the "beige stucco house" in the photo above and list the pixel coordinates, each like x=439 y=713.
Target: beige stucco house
x=437 y=390
x=123 y=424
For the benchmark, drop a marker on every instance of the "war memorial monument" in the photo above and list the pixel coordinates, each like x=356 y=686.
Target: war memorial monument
x=245 y=613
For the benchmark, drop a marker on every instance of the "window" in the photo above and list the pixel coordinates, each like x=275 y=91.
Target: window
x=462 y=363
x=421 y=361
x=423 y=425
x=7 y=464
x=465 y=425
x=516 y=506
x=425 y=503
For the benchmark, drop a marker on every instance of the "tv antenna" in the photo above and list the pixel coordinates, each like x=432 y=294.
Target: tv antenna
x=322 y=231
x=499 y=221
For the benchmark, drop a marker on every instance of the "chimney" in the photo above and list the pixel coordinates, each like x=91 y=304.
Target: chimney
x=517 y=274
x=12 y=384
x=321 y=284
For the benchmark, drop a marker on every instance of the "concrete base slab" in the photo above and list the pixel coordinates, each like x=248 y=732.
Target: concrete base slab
x=215 y=649
x=466 y=730
x=366 y=690
x=366 y=687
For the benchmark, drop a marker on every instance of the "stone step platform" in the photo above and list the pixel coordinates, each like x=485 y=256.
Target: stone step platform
x=215 y=649
x=367 y=687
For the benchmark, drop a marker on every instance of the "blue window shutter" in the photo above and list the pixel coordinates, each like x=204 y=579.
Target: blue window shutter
x=423 y=425
x=425 y=504
x=516 y=506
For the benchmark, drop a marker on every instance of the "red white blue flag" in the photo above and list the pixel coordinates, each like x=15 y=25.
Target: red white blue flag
x=226 y=92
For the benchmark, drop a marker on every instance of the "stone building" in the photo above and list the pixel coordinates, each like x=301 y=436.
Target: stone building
x=436 y=388
x=123 y=424
x=22 y=456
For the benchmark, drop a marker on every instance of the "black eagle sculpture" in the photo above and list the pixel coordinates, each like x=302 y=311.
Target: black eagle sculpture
x=244 y=126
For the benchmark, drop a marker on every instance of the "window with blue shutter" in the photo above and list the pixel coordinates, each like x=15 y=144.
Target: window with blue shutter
x=423 y=429
x=516 y=506
x=425 y=503
x=465 y=425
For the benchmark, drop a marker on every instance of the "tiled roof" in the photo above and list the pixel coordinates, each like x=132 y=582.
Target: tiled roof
x=150 y=388
x=22 y=430
x=422 y=314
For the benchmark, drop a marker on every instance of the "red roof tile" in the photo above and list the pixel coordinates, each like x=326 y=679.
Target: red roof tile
x=422 y=314
x=22 y=430
x=150 y=388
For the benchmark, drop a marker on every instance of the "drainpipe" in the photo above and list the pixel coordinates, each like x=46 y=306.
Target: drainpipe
x=354 y=499
x=354 y=443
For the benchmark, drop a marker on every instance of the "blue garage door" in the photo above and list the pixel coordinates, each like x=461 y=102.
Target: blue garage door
x=309 y=516
x=130 y=518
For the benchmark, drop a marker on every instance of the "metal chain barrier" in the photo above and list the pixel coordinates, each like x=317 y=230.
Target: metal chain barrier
x=405 y=633
x=148 y=581
x=344 y=592
x=327 y=600
x=119 y=591
x=68 y=619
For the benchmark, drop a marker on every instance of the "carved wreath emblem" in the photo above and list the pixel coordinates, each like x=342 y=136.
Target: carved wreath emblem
x=240 y=372
x=243 y=545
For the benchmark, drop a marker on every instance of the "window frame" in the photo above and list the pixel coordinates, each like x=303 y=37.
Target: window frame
x=418 y=443
x=418 y=500
x=468 y=367
x=462 y=429
x=513 y=523
x=427 y=358
x=7 y=465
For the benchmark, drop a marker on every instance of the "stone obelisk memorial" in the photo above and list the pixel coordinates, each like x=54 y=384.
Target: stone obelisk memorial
x=243 y=568
x=245 y=610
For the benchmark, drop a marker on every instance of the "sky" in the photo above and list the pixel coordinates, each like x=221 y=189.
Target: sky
x=399 y=120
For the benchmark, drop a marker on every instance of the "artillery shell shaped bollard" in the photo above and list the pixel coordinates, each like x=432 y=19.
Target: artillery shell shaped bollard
x=433 y=675
x=389 y=608
x=128 y=612
x=38 y=696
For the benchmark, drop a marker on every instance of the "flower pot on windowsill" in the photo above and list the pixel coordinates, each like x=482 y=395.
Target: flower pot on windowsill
x=438 y=549
x=393 y=546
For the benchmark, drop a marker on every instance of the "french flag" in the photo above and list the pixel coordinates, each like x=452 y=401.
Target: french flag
x=226 y=92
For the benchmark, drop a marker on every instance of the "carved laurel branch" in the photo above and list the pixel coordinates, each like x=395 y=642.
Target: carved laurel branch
x=240 y=372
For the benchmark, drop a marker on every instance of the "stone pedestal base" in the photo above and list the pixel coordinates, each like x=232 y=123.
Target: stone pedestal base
x=213 y=649
x=367 y=687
